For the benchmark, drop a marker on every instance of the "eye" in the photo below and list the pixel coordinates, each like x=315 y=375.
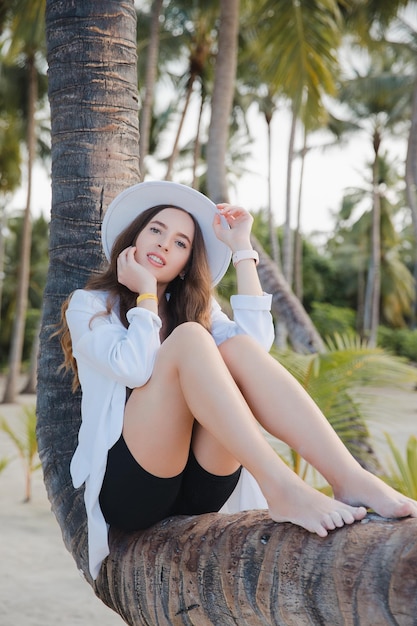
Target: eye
x=180 y=243
x=155 y=229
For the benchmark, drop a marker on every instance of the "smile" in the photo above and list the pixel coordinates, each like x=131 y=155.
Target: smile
x=156 y=259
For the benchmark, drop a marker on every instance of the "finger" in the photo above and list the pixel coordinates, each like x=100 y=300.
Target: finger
x=217 y=224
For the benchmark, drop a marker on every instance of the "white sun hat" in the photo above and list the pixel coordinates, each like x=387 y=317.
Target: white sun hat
x=136 y=199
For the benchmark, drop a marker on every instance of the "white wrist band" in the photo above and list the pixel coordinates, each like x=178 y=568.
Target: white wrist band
x=242 y=255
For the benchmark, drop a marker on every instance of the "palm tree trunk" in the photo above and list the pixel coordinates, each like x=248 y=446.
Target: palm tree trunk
x=373 y=287
x=244 y=569
x=3 y=222
x=174 y=152
x=151 y=69
x=287 y=253
x=16 y=348
x=197 y=142
x=275 y=252
x=411 y=187
x=30 y=386
x=95 y=138
x=298 y=244
x=222 y=100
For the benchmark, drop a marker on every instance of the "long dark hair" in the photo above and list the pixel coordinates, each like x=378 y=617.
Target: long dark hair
x=189 y=299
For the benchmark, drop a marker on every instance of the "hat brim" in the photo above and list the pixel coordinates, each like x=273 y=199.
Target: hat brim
x=142 y=196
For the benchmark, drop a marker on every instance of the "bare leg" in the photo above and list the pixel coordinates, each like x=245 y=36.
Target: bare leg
x=286 y=411
x=190 y=378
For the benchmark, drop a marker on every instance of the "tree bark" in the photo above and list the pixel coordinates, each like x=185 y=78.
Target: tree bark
x=222 y=101
x=245 y=569
x=287 y=245
x=94 y=119
x=150 y=79
x=411 y=187
x=373 y=286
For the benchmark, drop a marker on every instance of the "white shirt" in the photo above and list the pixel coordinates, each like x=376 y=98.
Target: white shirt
x=110 y=358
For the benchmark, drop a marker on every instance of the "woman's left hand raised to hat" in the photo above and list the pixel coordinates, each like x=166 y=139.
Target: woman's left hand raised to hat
x=237 y=237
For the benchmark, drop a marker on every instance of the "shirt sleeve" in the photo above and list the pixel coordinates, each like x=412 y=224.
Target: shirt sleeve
x=99 y=340
x=251 y=316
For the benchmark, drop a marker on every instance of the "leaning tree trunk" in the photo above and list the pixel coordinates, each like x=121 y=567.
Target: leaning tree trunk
x=244 y=569
x=94 y=118
x=212 y=569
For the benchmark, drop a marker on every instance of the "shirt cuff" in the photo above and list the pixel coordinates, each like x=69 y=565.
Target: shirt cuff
x=139 y=311
x=254 y=303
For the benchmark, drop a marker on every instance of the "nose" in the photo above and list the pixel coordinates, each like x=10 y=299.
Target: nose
x=163 y=245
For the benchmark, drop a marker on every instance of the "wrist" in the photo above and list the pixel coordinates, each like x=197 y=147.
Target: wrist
x=144 y=296
x=245 y=255
x=150 y=287
x=241 y=245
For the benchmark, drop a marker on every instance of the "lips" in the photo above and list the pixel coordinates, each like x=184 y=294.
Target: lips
x=156 y=260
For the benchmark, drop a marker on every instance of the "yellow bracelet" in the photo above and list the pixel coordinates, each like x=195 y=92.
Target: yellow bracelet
x=146 y=296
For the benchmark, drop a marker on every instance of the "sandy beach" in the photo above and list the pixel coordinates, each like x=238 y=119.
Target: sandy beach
x=39 y=582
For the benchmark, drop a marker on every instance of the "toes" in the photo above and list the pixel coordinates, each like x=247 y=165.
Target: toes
x=338 y=520
x=328 y=522
x=359 y=512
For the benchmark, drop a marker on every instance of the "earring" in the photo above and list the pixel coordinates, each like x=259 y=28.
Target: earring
x=182 y=275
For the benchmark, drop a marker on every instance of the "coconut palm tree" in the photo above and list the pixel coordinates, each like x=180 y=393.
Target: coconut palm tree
x=297 y=51
x=27 y=39
x=350 y=246
x=212 y=569
x=198 y=26
x=37 y=276
x=377 y=101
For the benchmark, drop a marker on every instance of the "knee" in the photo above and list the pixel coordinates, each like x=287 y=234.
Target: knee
x=236 y=345
x=190 y=333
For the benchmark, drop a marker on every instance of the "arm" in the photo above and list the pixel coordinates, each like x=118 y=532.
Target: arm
x=102 y=343
x=252 y=317
x=251 y=306
x=238 y=239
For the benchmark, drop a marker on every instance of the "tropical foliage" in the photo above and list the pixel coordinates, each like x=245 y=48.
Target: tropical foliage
x=23 y=437
x=335 y=379
x=403 y=474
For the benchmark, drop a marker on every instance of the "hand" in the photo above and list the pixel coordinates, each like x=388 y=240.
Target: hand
x=237 y=237
x=133 y=275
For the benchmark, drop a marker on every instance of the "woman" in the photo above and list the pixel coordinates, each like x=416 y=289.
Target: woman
x=173 y=392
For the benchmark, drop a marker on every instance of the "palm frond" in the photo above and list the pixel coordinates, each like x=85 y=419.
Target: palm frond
x=336 y=381
x=404 y=475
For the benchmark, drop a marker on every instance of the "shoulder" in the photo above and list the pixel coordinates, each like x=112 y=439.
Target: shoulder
x=85 y=298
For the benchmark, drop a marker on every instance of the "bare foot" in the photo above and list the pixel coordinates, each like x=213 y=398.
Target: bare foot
x=363 y=488
x=306 y=507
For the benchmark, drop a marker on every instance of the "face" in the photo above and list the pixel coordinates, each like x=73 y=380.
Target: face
x=164 y=245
